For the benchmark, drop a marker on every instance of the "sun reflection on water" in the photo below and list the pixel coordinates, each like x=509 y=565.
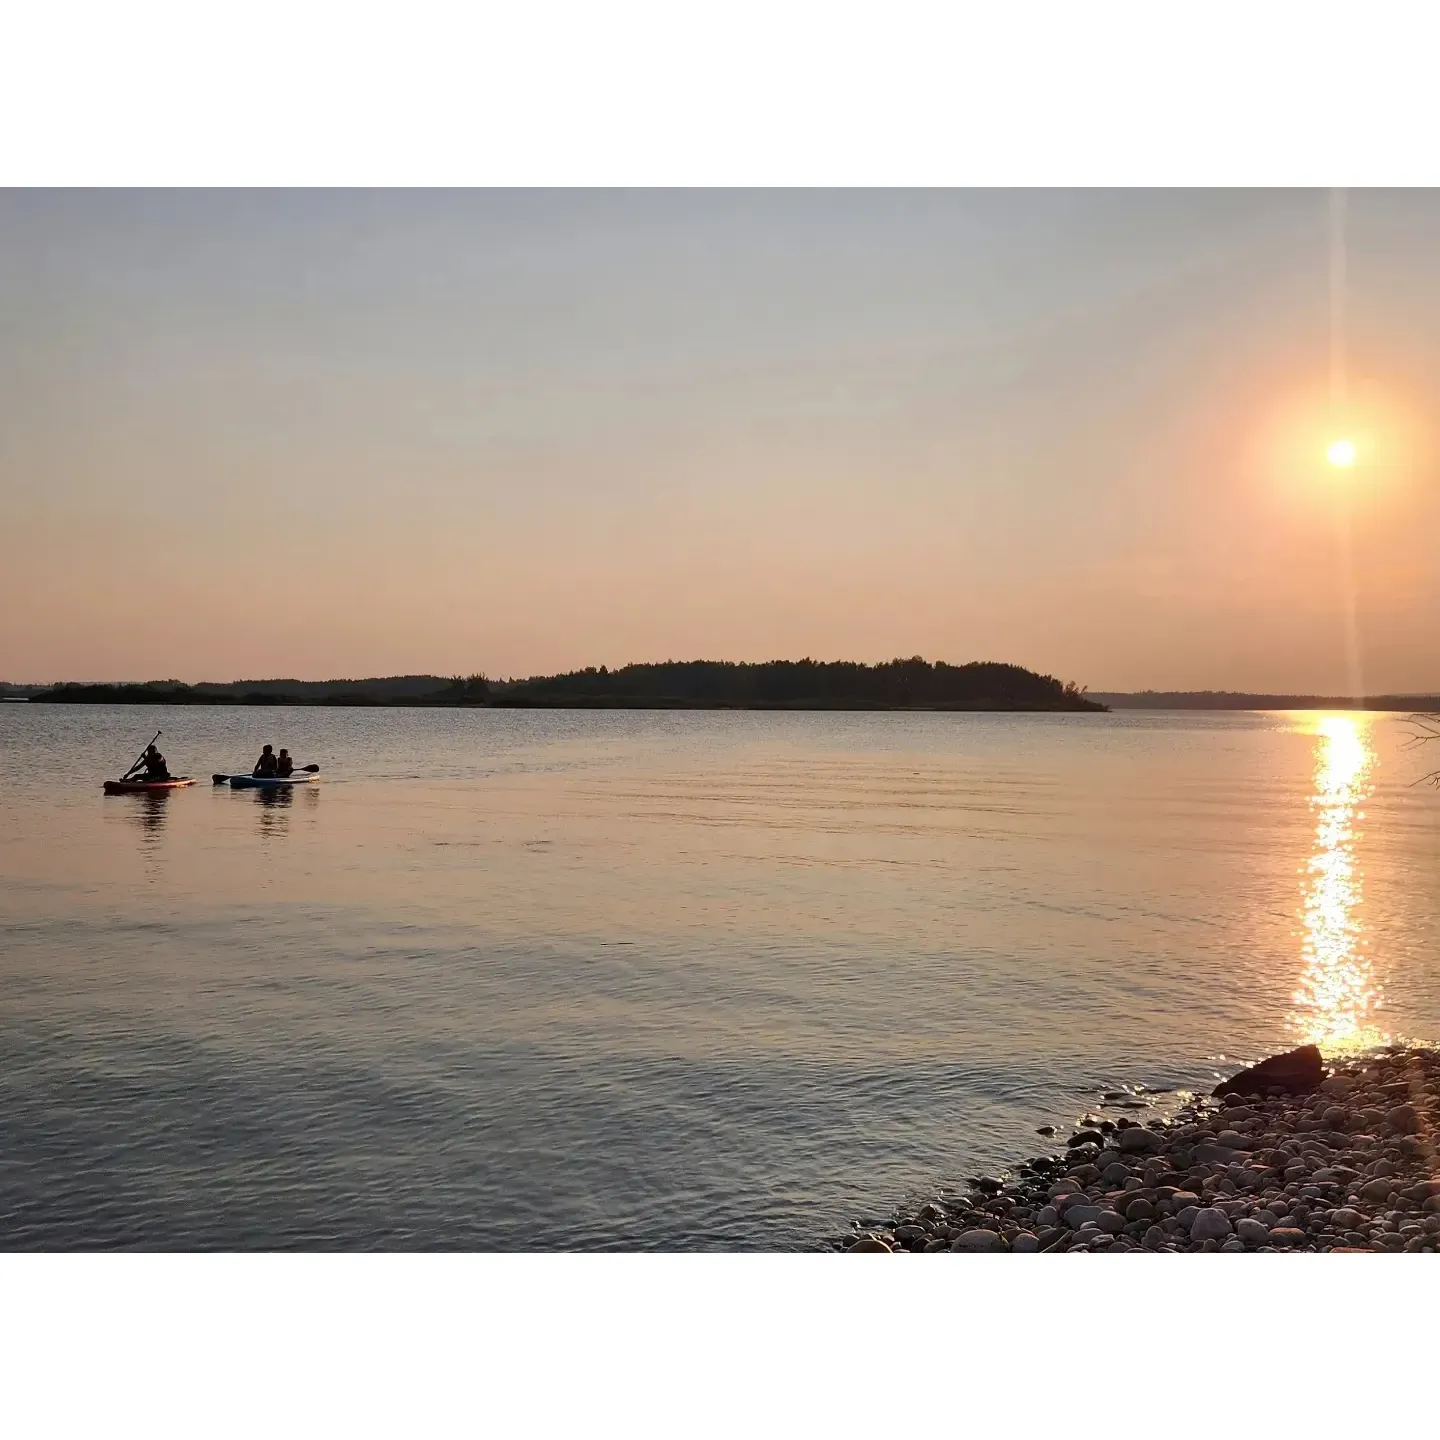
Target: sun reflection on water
x=1338 y=991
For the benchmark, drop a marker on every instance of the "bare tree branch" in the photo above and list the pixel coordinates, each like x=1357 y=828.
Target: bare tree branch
x=1426 y=725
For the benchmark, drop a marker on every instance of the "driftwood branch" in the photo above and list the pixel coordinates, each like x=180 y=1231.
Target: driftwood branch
x=1426 y=727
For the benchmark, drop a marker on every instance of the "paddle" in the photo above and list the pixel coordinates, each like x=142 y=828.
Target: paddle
x=141 y=760
x=299 y=770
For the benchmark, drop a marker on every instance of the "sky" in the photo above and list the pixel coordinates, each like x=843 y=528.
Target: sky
x=343 y=433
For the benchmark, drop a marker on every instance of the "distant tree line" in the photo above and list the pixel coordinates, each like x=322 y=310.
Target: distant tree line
x=1241 y=700
x=913 y=684
x=392 y=690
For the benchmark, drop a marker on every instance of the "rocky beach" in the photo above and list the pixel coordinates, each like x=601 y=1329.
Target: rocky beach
x=1290 y=1155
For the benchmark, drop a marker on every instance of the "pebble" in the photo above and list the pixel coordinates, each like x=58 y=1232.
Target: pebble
x=977 y=1240
x=1136 y=1138
x=1209 y=1224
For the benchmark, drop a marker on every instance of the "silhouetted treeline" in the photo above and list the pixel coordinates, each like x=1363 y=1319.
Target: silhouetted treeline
x=913 y=684
x=1237 y=700
x=394 y=690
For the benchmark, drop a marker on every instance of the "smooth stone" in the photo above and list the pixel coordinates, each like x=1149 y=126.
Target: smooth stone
x=1047 y=1217
x=1287 y=1235
x=1136 y=1138
x=1078 y=1216
x=1110 y=1221
x=1186 y=1217
x=1209 y=1224
x=1232 y=1247
x=1025 y=1243
x=1404 y=1118
x=977 y=1240
x=868 y=1245
x=1253 y=1232
x=1378 y=1189
x=1154 y=1238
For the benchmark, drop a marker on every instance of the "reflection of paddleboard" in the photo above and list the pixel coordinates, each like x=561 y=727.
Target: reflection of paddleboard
x=143 y=787
x=270 y=782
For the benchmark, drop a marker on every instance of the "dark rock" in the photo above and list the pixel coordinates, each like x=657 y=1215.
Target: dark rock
x=1133 y=1139
x=1086 y=1137
x=1297 y=1072
x=1403 y=1118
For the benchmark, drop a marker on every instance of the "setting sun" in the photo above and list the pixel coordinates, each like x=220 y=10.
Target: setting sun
x=1341 y=453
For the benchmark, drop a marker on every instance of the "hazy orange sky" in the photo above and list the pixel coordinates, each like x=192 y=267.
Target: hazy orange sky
x=314 y=434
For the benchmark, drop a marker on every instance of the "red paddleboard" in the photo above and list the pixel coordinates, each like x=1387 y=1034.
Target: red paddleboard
x=143 y=787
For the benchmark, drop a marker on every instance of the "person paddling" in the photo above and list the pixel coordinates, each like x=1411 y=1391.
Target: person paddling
x=267 y=765
x=284 y=766
x=152 y=762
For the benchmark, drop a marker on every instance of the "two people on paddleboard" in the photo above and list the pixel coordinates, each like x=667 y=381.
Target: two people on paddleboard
x=271 y=766
x=150 y=766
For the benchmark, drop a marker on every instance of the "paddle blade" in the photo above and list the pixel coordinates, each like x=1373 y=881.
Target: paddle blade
x=311 y=769
x=219 y=779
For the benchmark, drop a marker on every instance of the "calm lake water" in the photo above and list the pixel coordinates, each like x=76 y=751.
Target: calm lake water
x=637 y=979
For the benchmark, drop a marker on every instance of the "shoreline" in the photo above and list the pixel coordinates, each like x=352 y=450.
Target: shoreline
x=1286 y=1156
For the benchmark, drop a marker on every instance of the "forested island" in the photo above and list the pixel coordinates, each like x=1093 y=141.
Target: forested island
x=913 y=684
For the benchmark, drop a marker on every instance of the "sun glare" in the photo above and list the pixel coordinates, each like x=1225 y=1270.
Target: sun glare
x=1341 y=453
x=1339 y=992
